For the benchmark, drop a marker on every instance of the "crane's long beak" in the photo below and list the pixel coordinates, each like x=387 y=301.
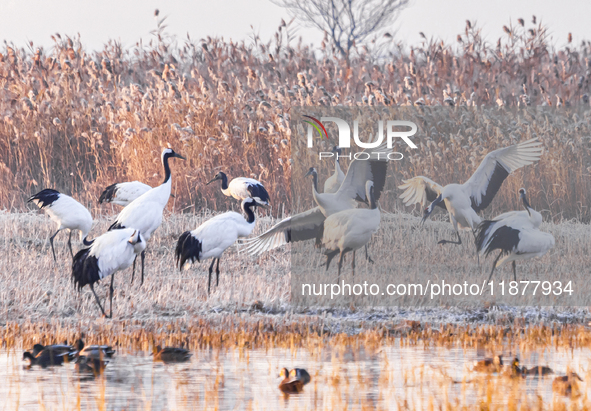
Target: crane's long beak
x=179 y=156
x=426 y=215
x=215 y=179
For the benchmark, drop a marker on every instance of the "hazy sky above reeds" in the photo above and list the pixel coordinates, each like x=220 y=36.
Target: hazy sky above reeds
x=129 y=20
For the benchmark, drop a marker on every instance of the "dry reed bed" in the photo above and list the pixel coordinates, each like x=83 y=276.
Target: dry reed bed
x=452 y=143
x=77 y=120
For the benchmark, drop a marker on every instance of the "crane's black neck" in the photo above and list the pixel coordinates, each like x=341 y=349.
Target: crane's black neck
x=372 y=199
x=315 y=180
x=87 y=242
x=526 y=204
x=166 y=167
x=224 y=179
x=249 y=213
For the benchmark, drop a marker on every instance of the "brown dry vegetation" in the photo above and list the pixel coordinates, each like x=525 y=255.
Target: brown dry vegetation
x=78 y=120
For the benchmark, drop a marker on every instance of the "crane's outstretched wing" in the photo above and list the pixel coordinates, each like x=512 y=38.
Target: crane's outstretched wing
x=300 y=227
x=420 y=190
x=371 y=164
x=496 y=167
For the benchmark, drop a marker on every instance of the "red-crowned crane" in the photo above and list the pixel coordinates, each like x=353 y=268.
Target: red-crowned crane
x=215 y=236
x=123 y=193
x=111 y=252
x=242 y=188
x=464 y=201
x=349 y=230
x=145 y=212
x=66 y=212
x=515 y=234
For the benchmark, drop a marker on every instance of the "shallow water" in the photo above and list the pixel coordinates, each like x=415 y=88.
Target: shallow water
x=390 y=378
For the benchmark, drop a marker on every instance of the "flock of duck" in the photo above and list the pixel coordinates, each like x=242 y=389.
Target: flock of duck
x=566 y=384
x=337 y=224
x=93 y=359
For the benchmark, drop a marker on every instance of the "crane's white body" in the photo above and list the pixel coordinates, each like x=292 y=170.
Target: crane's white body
x=459 y=206
x=215 y=236
x=516 y=234
x=145 y=212
x=111 y=252
x=114 y=251
x=68 y=213
x=350 y=229
x=242 y=188
x=124 y=193
x=334 y=182
x=238 y=187
x=221 y=232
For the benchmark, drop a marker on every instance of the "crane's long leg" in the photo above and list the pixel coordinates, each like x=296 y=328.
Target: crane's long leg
x=514 y=274
x=494 y=265
x=477 y=255
x=51 y=242
x=97 y=300
x=340 y=264
x=217 y=273
x=133 y=269
x=353 y=262
x=367 y=255
x=143 y=258
x=452 y=242
x=70 y=244
x=209 y=281
x=111 y=295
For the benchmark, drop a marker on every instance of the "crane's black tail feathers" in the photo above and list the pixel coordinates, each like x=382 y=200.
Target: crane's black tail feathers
x=259 y=194
x=504 y=238
x=85 y=268
x=482 y=233
x=45 y=197
x=108 y=194
x=187 y=248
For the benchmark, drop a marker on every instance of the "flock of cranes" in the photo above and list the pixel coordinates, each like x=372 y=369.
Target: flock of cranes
x=339 y=227
x=336 y=223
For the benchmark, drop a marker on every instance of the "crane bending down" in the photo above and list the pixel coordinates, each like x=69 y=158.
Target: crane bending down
x=215 y=236
x=123 y=193
x=309 y=224
x=145 y=212
x=66 y=212
x=349 y=230
x=111 y=252
x=464 y=201
x=242 y=188
x=516 y=234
